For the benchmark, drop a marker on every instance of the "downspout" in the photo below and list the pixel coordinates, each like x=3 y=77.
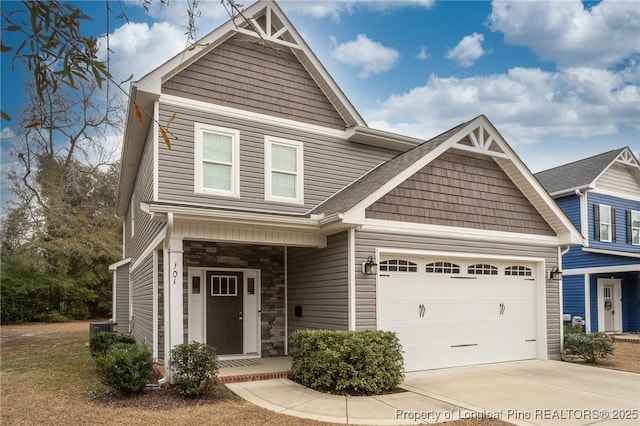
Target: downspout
x=584 y=221
x=561 y=252
x=166 y=299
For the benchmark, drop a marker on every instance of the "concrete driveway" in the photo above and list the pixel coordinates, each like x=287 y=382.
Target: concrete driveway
x=525 y=393
x=535 y=392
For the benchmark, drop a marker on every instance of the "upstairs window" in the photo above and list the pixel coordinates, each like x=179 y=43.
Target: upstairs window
x=217 y=157
x=633 y=227
x=284 y=181
x=604 y=223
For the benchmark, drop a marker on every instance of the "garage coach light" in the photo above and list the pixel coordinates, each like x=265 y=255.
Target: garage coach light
x=555 y=274
x=370 y=267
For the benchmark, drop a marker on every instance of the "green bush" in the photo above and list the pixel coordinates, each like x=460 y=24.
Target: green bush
x=572 y=329
x=356 y=362
x=125 y=367
x=102 y=341
x=590 y=347
x=194 y=366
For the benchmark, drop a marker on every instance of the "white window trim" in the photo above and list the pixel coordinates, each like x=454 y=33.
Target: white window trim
x=269 y=141
x=602 y=206
x=199 y=188
x=634 y=228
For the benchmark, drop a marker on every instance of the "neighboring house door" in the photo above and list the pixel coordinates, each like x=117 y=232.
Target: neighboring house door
x=225 y=311
x=609 y=305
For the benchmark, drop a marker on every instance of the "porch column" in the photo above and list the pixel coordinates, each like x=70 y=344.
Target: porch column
x=174 y=294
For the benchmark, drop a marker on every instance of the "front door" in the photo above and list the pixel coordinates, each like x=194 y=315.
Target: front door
x=609 y=305
x=225 y=311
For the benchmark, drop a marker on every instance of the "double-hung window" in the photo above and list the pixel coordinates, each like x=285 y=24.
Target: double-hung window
x=217 y=160
x=604 y=223
x=283 y=168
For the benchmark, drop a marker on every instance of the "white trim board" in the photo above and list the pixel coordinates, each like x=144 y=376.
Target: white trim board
x=150 y=247
x=250 y=116
x=409 y=228
x=602 y=270
x=611 y=252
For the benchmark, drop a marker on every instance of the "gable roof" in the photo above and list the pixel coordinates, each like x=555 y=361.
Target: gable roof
x=263 y=20
x=583 y=173
x=477 y=135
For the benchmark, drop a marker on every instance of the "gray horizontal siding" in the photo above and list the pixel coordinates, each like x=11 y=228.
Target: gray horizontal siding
x=367 y=242
x=121 y=310
x=142 y=299
x=145 y=229
x=618 y=178
x=243 y=74
x=317 y=280
x=464 y=190
x=330 y=163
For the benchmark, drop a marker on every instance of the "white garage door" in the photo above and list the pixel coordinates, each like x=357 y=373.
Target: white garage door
x=452 y=312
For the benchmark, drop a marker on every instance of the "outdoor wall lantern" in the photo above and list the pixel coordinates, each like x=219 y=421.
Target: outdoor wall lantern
x=370 y=267
x=555 y=274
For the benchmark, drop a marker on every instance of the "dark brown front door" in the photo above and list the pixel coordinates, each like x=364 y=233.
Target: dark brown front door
x=224 y=311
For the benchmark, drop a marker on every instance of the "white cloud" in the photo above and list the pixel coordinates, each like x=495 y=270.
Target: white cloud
x=211 y=14
x=528 y=105
x=370 y=56
x=423 y=54
x=139 y=49
x=468 y=50
x=7 y=133
x=568 y=33
x=335 y=9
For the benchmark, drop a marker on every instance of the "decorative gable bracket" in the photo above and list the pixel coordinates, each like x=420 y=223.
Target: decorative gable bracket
x=267 y=25
x=627 y=158
x=482 y=140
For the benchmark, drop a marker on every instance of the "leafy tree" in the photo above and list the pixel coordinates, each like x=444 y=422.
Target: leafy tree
x=60 y=234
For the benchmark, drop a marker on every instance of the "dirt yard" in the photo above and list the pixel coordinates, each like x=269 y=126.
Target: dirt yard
x=47 y=377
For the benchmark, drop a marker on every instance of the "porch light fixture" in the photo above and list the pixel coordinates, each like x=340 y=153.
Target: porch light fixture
x=555 y=274
x=370 y=267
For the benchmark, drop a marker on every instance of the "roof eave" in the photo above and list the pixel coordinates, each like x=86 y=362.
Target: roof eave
x=381 y=138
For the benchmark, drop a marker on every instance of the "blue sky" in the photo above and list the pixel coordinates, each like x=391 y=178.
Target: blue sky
x=560 y=80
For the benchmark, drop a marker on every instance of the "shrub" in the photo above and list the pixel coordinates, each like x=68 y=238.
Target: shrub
x=194 y=366
x=590 y=347
x=125 y=367
x=572 y=329
x=356 y=362
x=101 y=341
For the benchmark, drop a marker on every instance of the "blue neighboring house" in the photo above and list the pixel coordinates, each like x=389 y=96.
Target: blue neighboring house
x=601 y=280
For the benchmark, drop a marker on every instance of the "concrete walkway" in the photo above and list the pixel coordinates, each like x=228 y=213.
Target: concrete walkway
x=526 y=393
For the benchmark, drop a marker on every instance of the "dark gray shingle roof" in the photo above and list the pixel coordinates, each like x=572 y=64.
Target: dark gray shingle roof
x=578 y=173
x=369 y=183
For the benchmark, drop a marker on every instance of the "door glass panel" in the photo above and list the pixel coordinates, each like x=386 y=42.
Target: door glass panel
x=251 y=286
x=195 y=285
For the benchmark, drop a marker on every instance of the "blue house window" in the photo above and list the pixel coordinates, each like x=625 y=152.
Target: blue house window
x=633 y=231
x=604 y=223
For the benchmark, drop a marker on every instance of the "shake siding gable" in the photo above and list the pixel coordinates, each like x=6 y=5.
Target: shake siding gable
x=463 y=190
x=318 y=282
x=330 y=163
x=242 y=73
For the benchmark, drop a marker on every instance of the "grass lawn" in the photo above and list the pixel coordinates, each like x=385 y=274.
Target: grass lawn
x=47 y=377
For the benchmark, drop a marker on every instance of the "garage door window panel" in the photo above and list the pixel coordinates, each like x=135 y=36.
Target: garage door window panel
x=518 y=271
x=442 y=268
x=482 y=269
x=398 y=265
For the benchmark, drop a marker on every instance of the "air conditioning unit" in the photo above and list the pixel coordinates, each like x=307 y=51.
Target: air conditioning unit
x=102 y=326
